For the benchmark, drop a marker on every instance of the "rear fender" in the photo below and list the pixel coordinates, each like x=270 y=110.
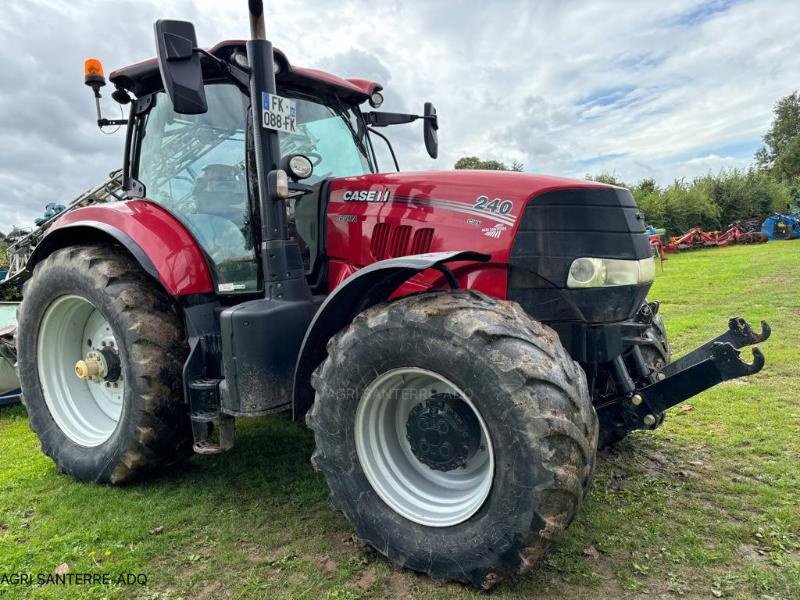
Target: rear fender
x=366 y=287
x=161 y=244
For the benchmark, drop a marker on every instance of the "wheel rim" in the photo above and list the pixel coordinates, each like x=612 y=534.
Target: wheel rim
x=86 y=411
x=411 y=488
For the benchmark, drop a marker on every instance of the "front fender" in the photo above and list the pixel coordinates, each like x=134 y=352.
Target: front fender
x=366 y=287
x=157 y=240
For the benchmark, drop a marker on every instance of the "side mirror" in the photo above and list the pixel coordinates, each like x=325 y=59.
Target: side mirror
x=430 y=128
x=180 y=67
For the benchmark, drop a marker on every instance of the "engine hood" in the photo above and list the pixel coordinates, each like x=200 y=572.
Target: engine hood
x=532 y=227
x=463 y=205
x=464 y=186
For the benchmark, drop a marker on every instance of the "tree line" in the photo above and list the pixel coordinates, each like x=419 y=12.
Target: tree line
x=714 y=201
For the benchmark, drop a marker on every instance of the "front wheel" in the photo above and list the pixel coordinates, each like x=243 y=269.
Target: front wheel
x=101 y=349
x=455 y=433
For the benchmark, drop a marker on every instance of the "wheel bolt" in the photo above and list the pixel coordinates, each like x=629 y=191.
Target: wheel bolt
x=649 y=420
x=636 y=399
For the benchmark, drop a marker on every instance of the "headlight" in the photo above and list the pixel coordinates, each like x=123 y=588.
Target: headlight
x=604 y=272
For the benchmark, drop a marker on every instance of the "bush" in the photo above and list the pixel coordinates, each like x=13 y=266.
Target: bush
x=711 y=202
x=3 y=254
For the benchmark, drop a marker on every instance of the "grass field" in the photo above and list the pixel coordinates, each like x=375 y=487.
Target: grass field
x=707 y=506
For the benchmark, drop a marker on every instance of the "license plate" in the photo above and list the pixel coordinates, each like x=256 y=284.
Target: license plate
x=278 y=113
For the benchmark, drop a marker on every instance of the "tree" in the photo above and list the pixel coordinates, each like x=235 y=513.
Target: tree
x=645 y=186
x=473 y=162
x=781 y=151
x=609 y=178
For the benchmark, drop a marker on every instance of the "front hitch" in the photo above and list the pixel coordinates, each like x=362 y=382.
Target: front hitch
x=739 y=335
x=715 y=361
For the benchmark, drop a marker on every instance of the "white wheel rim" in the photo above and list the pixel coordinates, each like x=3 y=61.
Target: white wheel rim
x=410 y=487
x=87 y=412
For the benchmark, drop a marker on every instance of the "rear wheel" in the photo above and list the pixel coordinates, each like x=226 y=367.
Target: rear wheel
x=101 y=349
x=455 y=433
x=783 y=231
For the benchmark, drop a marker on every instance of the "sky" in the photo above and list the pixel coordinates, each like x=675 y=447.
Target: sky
x=635 y=88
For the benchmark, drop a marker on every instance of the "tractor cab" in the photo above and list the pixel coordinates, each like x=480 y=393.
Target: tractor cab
x=200 y=166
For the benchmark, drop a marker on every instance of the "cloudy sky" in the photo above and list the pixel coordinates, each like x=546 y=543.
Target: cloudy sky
x=641 y=89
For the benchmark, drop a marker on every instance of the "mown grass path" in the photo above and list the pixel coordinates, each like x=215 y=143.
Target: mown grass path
x=707 y=506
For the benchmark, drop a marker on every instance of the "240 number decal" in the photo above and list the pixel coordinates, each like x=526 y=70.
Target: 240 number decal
x=497 y=205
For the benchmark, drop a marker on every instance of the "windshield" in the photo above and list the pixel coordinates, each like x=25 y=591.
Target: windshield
x=195 y=166
x=332 y=136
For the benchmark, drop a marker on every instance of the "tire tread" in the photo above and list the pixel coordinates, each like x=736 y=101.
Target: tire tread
x=524 y=345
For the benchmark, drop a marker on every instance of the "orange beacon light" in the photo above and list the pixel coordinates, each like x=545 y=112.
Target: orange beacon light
x=93 y=73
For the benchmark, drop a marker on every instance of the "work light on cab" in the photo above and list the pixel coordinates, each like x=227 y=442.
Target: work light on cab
x=376 y=99
x=299 y=167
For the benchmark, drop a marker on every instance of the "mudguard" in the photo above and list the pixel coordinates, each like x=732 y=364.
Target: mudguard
x=161 y=244
x=366 y=287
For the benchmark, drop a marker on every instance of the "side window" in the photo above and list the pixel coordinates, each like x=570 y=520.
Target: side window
x=194 y=165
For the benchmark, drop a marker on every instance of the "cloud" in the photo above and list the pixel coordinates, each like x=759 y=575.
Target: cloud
x=649 y=88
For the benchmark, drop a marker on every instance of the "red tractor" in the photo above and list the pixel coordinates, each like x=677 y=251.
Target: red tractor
x=455 y=346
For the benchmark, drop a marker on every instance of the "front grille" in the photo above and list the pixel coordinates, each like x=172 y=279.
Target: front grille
x=398 y=243
x=560 y=226
x=380 y=237
x=391 y=242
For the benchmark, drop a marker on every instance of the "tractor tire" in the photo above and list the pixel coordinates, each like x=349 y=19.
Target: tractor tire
x=656 y=355
x=95 y=305
x=406 y=374
x=784 y=232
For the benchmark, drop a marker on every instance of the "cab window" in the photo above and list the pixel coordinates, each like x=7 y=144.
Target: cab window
x=194 y=165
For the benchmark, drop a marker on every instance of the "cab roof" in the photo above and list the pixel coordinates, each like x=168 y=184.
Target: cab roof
x=144 y=78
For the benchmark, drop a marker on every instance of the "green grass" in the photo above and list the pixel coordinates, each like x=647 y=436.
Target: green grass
x=706 y=505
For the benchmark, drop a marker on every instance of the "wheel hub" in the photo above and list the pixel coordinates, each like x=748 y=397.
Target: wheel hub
x=80 y=370
x=113 y=365
x=91 y=367
x=443 y=432
x=448 y=488
x=98 y=366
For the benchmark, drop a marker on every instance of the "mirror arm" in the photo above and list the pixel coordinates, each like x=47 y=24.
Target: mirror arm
x=389 y=144
x=236 y=75
x=111 y=122
x=384 y=119
x=298 y=190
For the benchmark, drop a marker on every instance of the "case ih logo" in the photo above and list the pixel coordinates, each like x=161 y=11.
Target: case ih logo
x=366 y=196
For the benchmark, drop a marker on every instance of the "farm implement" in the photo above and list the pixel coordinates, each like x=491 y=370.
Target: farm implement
x=697 y=238
x=781 y=226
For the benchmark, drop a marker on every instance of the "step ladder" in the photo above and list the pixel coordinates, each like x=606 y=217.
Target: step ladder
x=213 y=430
